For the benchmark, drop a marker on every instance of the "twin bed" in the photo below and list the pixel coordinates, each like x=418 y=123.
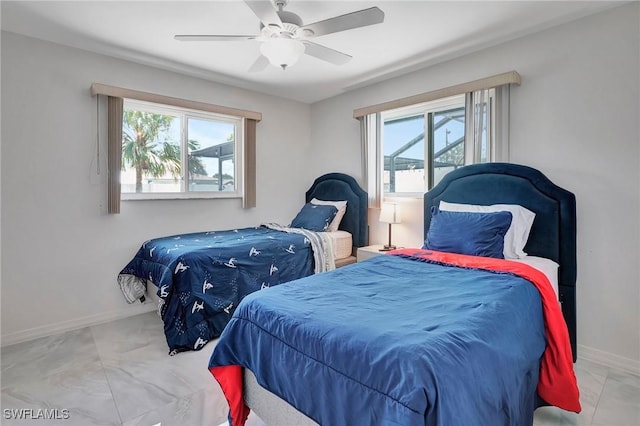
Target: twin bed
x=200 y=278
x=419 y=336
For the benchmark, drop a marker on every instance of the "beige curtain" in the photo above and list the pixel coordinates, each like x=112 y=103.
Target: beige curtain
x=114 y=148
x=500 y=124
x=487 y=125
x=477 y=132
x=481 y=129
x=249 y=199
x=372 y=162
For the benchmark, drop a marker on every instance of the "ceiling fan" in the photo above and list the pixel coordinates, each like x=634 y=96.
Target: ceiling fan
x=284 y=37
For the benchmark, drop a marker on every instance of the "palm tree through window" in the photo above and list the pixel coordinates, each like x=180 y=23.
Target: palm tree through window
x=173 y=150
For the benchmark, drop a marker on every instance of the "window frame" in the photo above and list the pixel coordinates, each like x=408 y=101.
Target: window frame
x=370 y=124
x=184 y=114
x=424 y=109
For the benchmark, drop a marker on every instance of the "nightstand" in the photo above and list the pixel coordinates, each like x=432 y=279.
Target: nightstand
x=369 y=252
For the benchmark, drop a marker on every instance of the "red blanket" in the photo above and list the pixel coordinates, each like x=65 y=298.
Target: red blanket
x=557 y=384
x=230 y=379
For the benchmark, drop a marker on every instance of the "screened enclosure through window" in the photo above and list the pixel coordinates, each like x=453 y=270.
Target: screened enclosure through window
x=422 y=143
x=172 y=150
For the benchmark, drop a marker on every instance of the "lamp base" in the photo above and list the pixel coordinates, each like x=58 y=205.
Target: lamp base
x=387 y=248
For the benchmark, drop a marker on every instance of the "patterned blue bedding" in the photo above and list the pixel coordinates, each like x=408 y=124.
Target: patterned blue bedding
x=201 y=277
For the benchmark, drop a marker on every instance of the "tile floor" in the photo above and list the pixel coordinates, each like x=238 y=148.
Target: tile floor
x=119 y=373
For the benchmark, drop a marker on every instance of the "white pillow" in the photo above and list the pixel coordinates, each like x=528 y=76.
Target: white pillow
x=342 y=209
x=518 y=233
x=546 y=266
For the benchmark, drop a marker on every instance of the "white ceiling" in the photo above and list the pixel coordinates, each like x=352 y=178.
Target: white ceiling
x=414 y=34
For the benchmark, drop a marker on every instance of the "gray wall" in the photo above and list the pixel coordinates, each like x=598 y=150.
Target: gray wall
x=61 y=251
x=575 y=117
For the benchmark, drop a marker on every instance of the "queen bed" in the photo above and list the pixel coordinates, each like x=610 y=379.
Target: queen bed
x=435 y=336
x=200 y=278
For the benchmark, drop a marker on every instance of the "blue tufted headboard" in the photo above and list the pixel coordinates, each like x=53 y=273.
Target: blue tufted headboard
x=339 y=187
x=553 y=234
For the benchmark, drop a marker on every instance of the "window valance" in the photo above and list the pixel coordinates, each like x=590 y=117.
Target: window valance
x=119 y=92
x=511 y=77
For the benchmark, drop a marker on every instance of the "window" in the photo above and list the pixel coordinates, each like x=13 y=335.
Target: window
x=424 y=142
x=172 y=152
x=421 y=144
x=243 y=157
x=410 y=144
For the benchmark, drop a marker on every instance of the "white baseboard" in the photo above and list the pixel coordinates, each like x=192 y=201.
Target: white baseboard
x=609 y=360
x=64 y=326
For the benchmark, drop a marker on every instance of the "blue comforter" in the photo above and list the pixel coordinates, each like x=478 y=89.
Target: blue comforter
x=395 y=341
x=202 y=277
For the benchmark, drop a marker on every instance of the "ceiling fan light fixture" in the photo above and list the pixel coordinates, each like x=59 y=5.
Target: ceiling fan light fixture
x=282 y=52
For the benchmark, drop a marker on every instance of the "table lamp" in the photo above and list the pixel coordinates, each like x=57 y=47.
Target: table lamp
x=389 y=213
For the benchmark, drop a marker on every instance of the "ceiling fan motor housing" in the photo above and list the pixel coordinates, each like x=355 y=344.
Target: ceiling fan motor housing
x=291 y=24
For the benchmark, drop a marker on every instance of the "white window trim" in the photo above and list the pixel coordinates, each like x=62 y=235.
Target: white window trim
x=115 y=96
x=131 y=196
x=184 y=114
x=499 y=152
x=423 y=108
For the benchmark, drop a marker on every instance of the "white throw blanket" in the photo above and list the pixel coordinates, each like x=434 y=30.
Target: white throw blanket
x=321 y=245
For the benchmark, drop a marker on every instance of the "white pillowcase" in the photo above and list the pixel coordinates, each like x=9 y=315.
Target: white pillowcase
x=342 y=209
x=518 y=233
x=546 y=266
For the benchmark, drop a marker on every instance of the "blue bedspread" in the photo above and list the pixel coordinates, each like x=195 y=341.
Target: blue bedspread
x=202 y=277
x=395 y=341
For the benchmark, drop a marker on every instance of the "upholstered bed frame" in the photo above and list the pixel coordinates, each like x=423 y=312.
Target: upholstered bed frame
x=339 y=187
x=553 y=234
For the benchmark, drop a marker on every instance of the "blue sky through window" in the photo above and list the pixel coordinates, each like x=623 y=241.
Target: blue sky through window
x=398 y=133
x=210 y=133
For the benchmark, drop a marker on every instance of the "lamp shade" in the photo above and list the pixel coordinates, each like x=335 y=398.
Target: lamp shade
x=282 y=52
x=390 y=213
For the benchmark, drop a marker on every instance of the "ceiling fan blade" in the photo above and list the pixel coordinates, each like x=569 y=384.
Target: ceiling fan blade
x=210 y=37
x=260 y=64
x=265 y=11
x=325 y=53
x=358 y=19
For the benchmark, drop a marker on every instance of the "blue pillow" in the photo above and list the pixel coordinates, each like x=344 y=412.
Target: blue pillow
x=314 y=217
x=475 y=234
